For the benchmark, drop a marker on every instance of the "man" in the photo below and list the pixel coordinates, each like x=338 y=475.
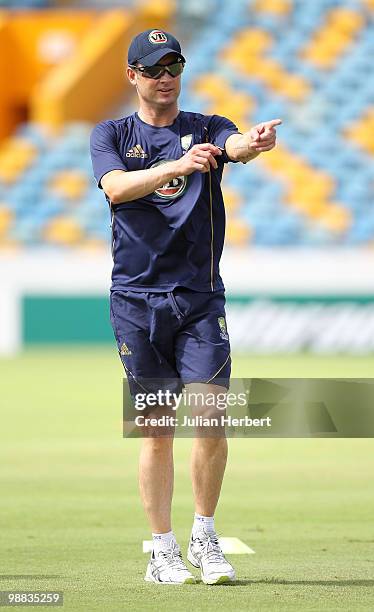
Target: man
x=161 y=169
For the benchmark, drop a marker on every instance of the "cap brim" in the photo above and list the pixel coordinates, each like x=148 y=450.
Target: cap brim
x=152 y=58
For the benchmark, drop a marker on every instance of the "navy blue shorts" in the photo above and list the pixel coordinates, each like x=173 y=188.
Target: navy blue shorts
x=177 y=337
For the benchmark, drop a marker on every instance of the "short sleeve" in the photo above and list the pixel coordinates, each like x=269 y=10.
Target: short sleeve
x=104 y=151
x=219 y=129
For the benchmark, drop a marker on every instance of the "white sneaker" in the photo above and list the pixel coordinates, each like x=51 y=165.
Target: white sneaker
x=167 y=567
x=205 y=552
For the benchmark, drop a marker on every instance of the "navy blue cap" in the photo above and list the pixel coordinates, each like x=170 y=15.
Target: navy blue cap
x=150 y=46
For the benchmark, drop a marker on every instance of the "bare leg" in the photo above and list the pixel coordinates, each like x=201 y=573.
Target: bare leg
x=208 y=459
x=156 y=479
x=208 y=464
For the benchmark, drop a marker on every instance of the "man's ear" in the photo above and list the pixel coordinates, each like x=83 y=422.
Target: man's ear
x=131 y=76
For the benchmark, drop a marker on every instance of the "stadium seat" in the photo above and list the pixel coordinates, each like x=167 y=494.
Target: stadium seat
x=6 y=218
x=69 y=184
x=63 y=231
x=232 y=199
x=315 y=188
x=273 y=7
x=16 y=155
x=362 y=131
x=333 y=38
x=336 y=218
x=238 y=233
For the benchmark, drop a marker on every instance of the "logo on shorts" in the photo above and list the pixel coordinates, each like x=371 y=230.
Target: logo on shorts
x=173 y=188
x=222 y=325
x=157 y=37
x=124 y=350
x=137 y=151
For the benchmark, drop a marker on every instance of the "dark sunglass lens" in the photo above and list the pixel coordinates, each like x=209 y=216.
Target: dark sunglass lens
x=176 y=69
x=153 y=71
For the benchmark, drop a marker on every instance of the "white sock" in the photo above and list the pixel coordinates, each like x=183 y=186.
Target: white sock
x=162 y=541
x=203 y=522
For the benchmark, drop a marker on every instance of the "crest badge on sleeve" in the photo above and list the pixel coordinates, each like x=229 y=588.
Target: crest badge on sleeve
x=186 y=142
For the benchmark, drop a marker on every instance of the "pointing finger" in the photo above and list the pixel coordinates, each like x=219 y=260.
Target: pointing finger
x=272 y=123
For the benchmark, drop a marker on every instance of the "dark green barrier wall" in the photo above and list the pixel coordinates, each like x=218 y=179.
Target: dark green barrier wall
x=66 y=319
x=85 y=319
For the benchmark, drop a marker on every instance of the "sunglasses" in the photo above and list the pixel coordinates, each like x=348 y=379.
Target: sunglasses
x=156 y=71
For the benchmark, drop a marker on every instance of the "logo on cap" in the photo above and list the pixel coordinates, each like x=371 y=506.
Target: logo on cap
x=157 y=37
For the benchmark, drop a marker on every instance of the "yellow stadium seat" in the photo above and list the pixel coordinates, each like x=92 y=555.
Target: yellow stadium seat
x=311 y=208
x=365 y=140
x=224 y=100
x=211 y=85
x=336 y=218
x=251 y=64
x=9 y=174
x=274 y=7
x=332 y=39
x=270 y=71
x=238 y=233
x=71 y=184
x=361 y=132
x=307 y=189
x=295 y=88
x=276 y=160
x=304 y=196
x=16 y=155
x=6 y=218
x=249 y=43
x=254 y=40
x=335 y=44
x=232 y=200
x=315 y=184
x=64 y=231
x=246 y=51
x=235 y=106
x=346 y=20
x=298 y=172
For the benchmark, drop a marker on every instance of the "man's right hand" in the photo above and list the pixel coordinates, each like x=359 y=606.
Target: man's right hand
x=121 y=186
x=200 y=157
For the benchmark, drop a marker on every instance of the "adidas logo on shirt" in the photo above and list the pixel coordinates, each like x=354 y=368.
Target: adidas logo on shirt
x=137 y=151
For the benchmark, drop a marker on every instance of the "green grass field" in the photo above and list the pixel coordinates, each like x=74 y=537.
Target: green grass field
x=71 y=518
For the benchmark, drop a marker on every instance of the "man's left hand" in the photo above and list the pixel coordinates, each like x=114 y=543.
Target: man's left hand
x=262 y=137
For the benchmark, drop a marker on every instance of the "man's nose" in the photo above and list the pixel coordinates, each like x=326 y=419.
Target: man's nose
x=166 y=76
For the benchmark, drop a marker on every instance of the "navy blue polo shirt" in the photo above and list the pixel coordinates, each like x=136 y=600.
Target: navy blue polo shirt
x=174 y=236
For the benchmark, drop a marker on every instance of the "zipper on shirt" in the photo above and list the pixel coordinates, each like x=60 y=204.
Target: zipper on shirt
x=211 y=220
x=211 y=233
